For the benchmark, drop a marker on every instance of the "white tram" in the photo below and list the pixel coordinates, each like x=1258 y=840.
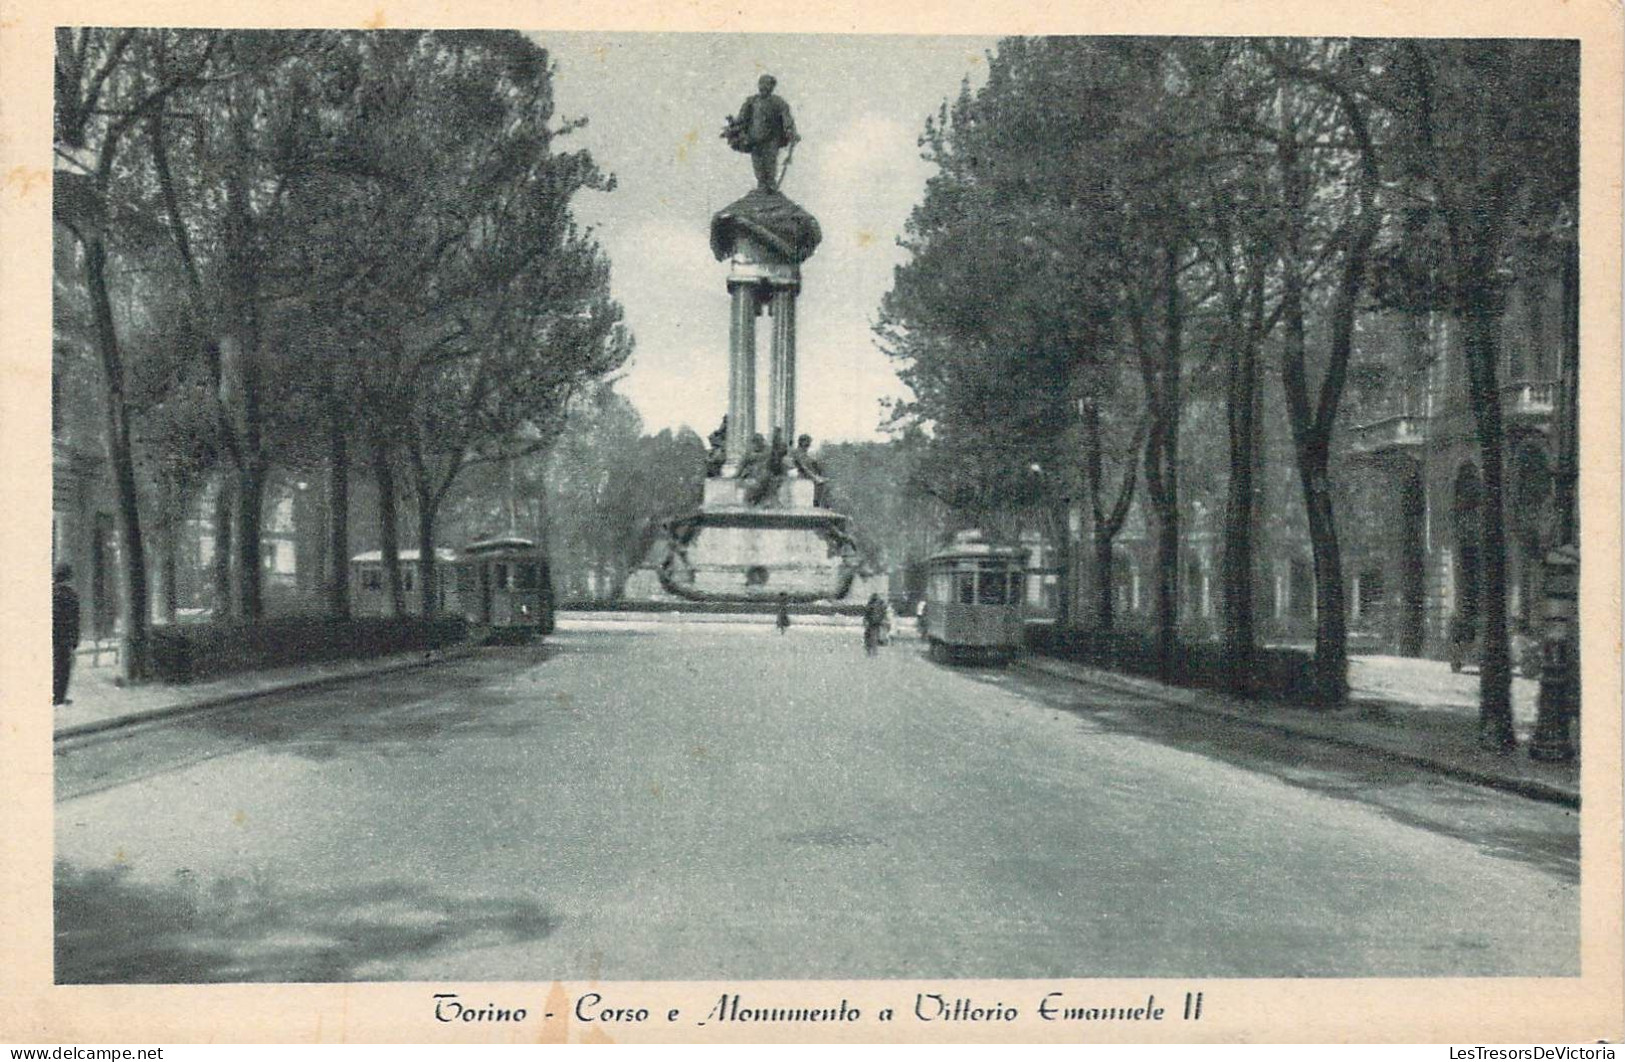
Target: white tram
x=973 y=600
x=501 y=585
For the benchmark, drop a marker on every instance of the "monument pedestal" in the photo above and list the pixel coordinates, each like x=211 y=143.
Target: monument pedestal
x=730 y=551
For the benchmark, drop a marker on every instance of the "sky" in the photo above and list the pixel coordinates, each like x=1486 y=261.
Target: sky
x=655 y=105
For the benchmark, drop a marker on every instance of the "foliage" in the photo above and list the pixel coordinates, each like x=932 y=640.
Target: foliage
x=1212 y=214
x=303 y=226
x=609 y=487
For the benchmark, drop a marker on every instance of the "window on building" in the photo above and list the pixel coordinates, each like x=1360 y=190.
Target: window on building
x=282 y=516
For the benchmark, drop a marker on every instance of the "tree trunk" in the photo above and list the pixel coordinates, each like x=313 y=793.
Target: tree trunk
x=1167 y=503
x=426 y=559
x=1312 y=424
x=1331 y=607
x=1481 y=327
x=133 y=554
x=388 y=529
x=338 y=517
x=1105 y=616
x=224 y=600
x=170 y=603
x=240 y=353
x=1311 y=441
x=1236 y=574
x=250 y=519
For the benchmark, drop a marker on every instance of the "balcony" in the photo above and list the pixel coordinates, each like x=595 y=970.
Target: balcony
x=1529 y=399
x=1404 y=433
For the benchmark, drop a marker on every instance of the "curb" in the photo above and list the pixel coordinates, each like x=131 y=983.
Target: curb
x=225 y=700
x=1531 y=788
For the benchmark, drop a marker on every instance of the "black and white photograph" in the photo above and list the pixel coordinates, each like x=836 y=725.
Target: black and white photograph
x=1044 y=524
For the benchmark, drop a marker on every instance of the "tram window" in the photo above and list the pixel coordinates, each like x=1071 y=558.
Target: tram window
x=526 y=576
x=965 y=585
x=499 y=576
x=1018 y=588
x=993 y=588
x=372 y=579
x=409 y=578
x=465 y=577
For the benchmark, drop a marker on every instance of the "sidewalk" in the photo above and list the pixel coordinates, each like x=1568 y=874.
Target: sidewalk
x=1416 y=711
x=99 y=702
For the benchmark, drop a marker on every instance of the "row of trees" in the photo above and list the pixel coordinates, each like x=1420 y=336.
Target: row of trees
x=313 y=250
x=597 y=497
x=1119 y=227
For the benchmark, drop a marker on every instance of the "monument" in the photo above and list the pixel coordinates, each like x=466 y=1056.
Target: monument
x=762 y=530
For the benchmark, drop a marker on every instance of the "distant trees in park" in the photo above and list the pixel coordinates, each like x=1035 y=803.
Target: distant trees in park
x=313 y=250
x=1118 y=227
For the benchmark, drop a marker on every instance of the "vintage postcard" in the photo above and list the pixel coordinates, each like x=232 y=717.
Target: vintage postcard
x=884 y=522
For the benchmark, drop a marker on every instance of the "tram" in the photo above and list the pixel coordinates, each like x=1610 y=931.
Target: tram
x=973 y=600
x=369 y=592
x=501 y=586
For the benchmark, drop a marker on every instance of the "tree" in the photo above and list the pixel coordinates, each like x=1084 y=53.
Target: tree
x=610 y=487
x=486 y=306
x=223 y=202
x=895 y=520
x=102 y=95
x=1108 y=509
x=1324 y=184
x=998 y=321
x=1488 y=144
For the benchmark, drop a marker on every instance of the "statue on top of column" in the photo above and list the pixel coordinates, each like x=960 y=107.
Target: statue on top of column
x=763 y=126
x=765 y=215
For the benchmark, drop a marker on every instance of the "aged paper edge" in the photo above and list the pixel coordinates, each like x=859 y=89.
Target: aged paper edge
x=1580 y=1009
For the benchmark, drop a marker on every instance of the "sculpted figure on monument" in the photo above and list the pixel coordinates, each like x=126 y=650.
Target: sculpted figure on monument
x=756 y=472
x=777 y=454
x=718 y=454
x=763 y=126
x=802 y=460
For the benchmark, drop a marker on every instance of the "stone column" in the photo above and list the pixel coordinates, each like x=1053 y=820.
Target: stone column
x=741 y=374
x=782 y=368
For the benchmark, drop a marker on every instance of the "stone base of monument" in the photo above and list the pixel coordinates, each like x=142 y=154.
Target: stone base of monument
x=730 y=551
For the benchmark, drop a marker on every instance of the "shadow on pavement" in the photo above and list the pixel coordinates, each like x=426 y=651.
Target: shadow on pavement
x=113 y=930
x=1408 y=794
x=397 y=715
x=378 y=720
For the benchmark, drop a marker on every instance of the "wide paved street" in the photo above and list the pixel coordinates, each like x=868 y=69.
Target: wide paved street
x=662 y=801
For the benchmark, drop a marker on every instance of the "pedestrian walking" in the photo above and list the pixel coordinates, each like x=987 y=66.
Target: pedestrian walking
x=783 y=621
x=64 y=632
x=874 y=620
